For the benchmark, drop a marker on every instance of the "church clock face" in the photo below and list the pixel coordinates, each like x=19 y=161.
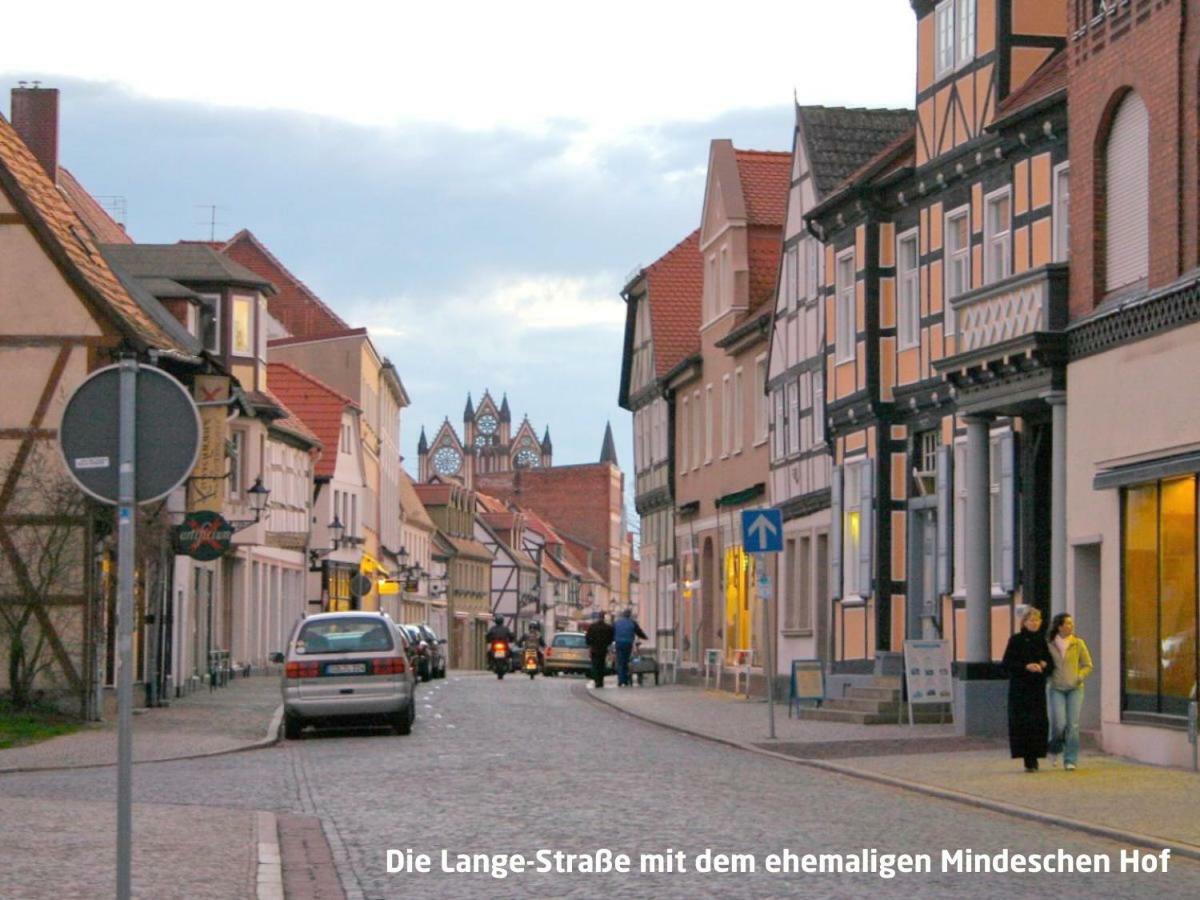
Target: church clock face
x=446 y=461
x=486 y=424
x=528 y=458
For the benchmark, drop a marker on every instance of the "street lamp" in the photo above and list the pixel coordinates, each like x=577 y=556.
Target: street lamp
x=259 y=494
x=337 y=534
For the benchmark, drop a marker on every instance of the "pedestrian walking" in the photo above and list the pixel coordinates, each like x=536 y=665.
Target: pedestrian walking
x=625 y=631
x=598 y=636
x=1028 y=662
x=1072 y=666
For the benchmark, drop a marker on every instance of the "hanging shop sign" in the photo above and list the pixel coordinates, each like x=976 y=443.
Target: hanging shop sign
x=204 y=536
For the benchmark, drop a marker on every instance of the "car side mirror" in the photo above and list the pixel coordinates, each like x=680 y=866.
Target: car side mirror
x=276 y=657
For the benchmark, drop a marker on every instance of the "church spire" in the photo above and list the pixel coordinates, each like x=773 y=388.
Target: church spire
x=547 y=447
x=422 y=444
x=469 y=412
x=505 y=414
x=608 y=452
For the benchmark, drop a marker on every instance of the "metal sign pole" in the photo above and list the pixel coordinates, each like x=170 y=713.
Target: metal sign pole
x=769 y=625
x=126 y=537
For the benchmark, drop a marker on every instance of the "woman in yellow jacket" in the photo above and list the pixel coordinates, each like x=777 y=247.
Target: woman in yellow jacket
x=1072 y=666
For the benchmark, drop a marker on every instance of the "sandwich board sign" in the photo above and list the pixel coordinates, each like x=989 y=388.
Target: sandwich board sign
x=927 y=673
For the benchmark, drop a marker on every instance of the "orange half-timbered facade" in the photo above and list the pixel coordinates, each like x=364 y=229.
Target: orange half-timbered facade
x=945 y=297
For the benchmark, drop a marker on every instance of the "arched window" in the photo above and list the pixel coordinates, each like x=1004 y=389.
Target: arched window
x=1127 y=195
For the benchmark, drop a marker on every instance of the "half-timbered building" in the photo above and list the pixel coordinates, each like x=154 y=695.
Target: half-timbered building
x=63 y=314
x=944 y=310
x=829 y=144
x=662 y=325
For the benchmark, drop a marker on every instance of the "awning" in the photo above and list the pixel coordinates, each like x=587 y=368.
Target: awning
x=1147 y=471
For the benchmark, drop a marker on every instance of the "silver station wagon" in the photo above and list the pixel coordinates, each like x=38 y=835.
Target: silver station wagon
x=347 y=666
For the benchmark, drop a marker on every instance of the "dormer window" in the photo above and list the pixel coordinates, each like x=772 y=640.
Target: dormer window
x=210 y=322
x=955 y=28
x=243 y=326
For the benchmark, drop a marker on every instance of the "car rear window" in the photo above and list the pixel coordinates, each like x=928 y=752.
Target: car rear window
x=344 y=635
x=572 y=641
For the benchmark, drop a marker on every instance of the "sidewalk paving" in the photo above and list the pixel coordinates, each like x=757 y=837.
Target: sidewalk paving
x=1107 y=795
x=243 y=714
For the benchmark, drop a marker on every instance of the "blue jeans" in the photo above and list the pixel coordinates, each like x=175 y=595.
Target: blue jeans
x=624 y=651
x=1064 y=722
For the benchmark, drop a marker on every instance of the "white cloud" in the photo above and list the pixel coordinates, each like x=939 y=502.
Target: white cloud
x=477 y=64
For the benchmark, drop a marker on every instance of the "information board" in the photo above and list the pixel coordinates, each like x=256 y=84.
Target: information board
x=808 y=682
x=927 y=673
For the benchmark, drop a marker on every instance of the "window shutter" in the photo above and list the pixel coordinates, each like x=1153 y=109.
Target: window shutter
x=866 y=518
x=945 y=520
x=835 y=534
x=1008 y=512
x=1127 y=191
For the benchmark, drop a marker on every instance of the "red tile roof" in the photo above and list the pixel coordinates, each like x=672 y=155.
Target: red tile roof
x=102 y=226
x=674 y=285
x=412 y=510
x=1049 y=78
x=433 y=494
x=763 y=250
x=295 y=306
x=766 y=179
x=318 y=406
x=70 y=244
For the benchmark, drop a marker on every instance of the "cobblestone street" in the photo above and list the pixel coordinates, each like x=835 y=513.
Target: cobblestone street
x=514 y=767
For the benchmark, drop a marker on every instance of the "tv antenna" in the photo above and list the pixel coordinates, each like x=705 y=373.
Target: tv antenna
x=212 y=221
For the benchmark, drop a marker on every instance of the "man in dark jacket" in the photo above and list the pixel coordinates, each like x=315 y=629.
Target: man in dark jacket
x=598 y=636
x=624 y=633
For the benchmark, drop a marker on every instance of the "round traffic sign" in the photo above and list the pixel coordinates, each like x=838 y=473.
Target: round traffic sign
x=360 y=585
x=167 y=434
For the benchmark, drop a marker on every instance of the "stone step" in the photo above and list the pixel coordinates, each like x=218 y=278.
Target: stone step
x=862 y=705
x=824 y=713
x=892 y=682
x=873 y=693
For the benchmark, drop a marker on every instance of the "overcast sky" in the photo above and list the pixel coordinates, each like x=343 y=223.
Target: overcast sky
x=472 y=181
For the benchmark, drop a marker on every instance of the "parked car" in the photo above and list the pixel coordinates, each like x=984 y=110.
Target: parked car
x=347 y=666
x=419 y=652
x=431 y=651
x=568 y=652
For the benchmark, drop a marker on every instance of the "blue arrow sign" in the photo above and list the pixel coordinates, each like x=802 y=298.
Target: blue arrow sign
x=762 y=530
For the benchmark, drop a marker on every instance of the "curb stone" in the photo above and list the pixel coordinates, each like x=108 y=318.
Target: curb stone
x=1177 y=848
x=272 y=737
x=269 y=870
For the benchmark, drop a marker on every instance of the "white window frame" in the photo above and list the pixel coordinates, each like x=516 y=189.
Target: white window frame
x=237 y=470
x=779 y=427
x=997 y=238
x=792 y=416
x=685 y=433
x=216 y=301
x=950 y=259
x=818 y=407
x=908 y=292
x=235 y=349
x=726 y=416
x=260 y=326
x=739 y=410
x=708 y=424
x=697 y=429
x=1062 y=212
x=852 y=472
x=760 y=400
x=812 y=268
x=965 y=30
x=955 y=30
x=847 y=311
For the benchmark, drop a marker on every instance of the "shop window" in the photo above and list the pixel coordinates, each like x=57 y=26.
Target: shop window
x=1159 y=599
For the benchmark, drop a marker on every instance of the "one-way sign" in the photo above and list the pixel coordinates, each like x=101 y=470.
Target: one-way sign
x=762 y=530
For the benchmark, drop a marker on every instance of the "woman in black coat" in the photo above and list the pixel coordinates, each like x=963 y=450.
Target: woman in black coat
x=1028 y=662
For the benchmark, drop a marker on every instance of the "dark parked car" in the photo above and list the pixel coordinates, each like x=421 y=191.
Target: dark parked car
x=435 y=650
x=419 y=651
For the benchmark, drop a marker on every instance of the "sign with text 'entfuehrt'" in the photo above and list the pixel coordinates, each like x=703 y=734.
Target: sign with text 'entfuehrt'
x=762 y=530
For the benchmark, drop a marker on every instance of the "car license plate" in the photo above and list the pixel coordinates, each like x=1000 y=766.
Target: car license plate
x=499 y=654
x=346 y=669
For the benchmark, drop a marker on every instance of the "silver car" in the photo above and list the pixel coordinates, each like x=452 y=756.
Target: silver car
x=347 y=665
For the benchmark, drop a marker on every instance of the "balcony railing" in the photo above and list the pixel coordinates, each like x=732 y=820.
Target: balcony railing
x=1022 y=305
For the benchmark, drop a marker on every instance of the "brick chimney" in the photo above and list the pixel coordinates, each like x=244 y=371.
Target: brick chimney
x=35 y=118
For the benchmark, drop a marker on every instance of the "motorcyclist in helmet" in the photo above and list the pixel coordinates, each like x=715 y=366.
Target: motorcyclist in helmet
x=499 y=632
x=533 y=640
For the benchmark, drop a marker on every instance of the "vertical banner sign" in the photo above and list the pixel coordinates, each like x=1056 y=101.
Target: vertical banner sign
x=206 y=489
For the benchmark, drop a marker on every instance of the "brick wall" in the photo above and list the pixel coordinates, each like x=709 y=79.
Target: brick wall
x=1139 y=47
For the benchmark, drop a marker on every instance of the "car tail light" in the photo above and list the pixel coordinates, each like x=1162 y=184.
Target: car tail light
x=302 y=670
x=390 y=666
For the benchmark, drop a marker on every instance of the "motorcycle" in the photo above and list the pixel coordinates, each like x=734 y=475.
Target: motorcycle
x=530 y=664
x=499 y=658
